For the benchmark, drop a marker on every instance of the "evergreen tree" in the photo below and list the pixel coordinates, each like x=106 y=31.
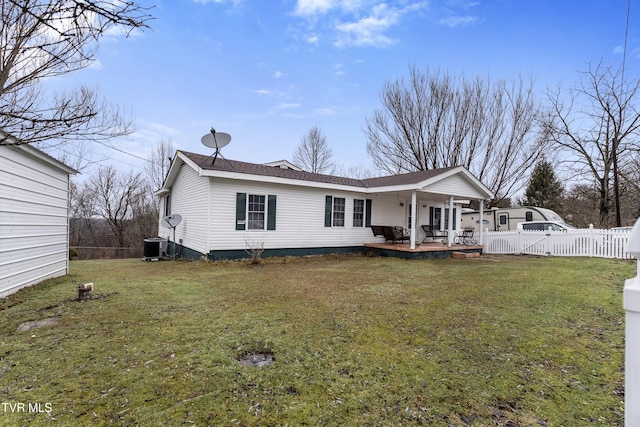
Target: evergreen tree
x=544 y=189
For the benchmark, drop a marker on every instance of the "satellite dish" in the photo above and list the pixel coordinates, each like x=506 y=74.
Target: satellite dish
x=171 y=221
x=216 y=140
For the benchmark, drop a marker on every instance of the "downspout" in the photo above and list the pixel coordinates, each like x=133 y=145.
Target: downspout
x=412 y=239
x=450 y=227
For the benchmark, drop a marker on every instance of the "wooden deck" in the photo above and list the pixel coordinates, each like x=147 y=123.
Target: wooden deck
x=422 y=251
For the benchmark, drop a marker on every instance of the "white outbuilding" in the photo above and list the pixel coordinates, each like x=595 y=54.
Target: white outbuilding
x=34 y=215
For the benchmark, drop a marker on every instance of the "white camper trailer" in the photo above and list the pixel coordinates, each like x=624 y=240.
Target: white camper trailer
x=501 y=219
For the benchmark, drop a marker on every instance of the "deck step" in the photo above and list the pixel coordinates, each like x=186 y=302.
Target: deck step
x=456 y=254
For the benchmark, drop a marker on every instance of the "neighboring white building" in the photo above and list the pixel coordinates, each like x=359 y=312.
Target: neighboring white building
x=34 y=207
x=231 y=204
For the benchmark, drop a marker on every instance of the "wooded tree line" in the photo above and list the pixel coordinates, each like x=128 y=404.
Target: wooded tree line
x=114 y=208
x=578 y=204
x=499 y=130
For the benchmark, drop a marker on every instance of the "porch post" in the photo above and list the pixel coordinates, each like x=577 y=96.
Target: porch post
x=481 y=225
x=413 y=219
x=450 y=221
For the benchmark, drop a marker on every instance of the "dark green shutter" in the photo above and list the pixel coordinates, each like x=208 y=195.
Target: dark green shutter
x=367 y=213
x=271 y=212
x=241 y=210
x=431 y=215
x=328 y=209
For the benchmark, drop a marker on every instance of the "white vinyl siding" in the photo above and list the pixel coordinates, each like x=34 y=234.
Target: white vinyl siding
x=458 y=185
x=34 y=233
x=300 y=218
x=190 y=199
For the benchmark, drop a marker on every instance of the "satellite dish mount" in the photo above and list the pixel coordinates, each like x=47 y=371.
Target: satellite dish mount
x=172 y=221
x=216 y=140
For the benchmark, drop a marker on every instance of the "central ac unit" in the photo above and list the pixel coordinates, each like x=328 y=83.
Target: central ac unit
x=155 y=248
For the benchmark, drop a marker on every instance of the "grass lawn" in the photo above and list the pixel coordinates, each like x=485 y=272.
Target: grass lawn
x=495 y=341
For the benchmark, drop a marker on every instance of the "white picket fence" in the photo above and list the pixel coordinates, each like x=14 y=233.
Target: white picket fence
x=581 y=242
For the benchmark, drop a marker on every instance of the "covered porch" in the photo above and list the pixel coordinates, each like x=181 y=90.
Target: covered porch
x=432 y=199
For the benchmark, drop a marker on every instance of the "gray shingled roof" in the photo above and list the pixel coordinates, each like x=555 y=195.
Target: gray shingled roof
x=257 y=169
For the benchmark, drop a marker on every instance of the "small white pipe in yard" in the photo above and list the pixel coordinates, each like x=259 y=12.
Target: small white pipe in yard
x=632 y=335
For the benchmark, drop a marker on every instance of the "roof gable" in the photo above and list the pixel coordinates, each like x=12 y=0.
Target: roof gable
x=12 y=143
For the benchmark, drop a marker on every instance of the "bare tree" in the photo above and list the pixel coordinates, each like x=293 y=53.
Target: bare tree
x=313 y=154
x=159 y=162
x=81 y=215
x=40 y=39
x=116 y=196
x=434 y=121
x=595 y=126
x=353 y=171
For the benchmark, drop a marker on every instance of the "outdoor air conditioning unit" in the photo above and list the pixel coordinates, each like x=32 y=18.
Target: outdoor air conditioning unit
x=155 y=248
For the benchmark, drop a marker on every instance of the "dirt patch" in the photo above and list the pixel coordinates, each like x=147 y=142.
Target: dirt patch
x=258 y=360
x=37 y=324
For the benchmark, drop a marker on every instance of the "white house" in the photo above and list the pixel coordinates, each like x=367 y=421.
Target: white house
x=34 y=203
x=229 y=205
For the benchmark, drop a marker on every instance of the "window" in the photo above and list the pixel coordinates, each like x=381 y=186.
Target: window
x=335 y=212
x=167 y=205
x=435 y=217
x=528 y=216
x=256 y=212
x=338 y=211
x=358 y=212
x=503 y=219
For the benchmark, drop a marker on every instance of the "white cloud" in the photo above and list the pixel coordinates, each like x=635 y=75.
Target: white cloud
x=313 y=7
x=457 y=21
x=279 y=74
x=323 y=112
x=313 y=39
x=354 y=22
x=95 y=65
x=285 y=106
x=234 y=2
x=261 y=91
x=369 y=31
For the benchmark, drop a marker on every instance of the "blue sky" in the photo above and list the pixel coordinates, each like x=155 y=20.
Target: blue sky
x=267 y=71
